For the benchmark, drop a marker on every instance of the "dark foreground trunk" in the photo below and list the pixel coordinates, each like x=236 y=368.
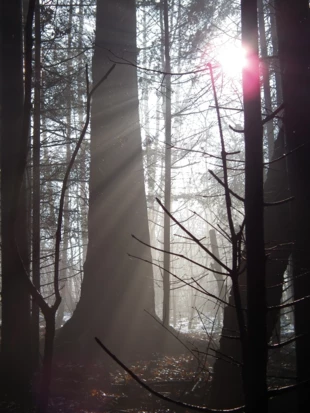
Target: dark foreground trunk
x=227 y=374
x=15 y=344
x=294 y=46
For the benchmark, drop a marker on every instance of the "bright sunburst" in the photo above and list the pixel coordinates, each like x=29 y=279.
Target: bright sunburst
x=232 y=59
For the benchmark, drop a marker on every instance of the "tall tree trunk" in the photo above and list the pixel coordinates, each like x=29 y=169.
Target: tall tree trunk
x=36 y=198
x=227 y=371
x=294 y=42
x=15 y=342
x=166 y=301
x=255 y=352
x=266 y=77
x=275 y=50
x=66 y=212
x=83 y=186
x=227 y=374
x=116 y=288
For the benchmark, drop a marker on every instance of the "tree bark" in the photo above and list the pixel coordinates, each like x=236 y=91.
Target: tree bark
x=220 y=279
x=166 y=284
x=294 y=42
x=36 y=199
x=116 y=288
x=266 y=78
x=15 y=342
x=277 y=230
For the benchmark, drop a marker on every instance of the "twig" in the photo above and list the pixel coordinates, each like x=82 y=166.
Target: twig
x=284 y=155
x=224 y=161
x=283 y=201
x=285 y=389
x=202 y=290
x=265 y=120
x=286 y=342
x=277 y=307
x=223 y=184
x=194 y=238
x=178 y=255
x=223 y=234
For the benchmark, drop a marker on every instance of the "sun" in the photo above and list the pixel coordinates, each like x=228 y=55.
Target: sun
x=232 y=59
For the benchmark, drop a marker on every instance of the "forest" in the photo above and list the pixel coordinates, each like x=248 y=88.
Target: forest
x=154 y=206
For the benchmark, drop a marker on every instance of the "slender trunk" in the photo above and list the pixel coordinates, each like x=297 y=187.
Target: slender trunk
x=266 y=77
x=46 y=374
x=66 y=213
x=166 y=301
x=84 y=154
x=275 y=47
x=220 y=279
x=36 y=196
x=277 y=230
x=255 y=385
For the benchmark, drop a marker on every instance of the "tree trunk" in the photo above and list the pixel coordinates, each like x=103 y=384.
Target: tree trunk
x=116 y=288
x=220 y=279
x=277 y=230
x=275 y=47
x=256 y=354
x=46 y=373
x=166 y=300
x=294 y=42
x=36 y=198
x=15 y=341
x=266 y=77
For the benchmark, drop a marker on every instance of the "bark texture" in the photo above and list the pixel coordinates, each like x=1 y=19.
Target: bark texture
x=15 y=343
x=294 y=43
x=116 y=288
x=227 y=374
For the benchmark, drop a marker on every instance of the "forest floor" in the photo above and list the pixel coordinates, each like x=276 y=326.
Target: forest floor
x=175 y=377
x=102 y=388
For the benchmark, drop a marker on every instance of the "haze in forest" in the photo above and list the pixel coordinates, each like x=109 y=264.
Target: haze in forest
x=154 y=205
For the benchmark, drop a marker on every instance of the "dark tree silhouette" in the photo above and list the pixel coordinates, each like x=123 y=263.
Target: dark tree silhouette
x=15 y=339
x=294 y=43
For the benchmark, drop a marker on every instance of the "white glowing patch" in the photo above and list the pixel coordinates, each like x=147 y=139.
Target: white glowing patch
x=231 y=59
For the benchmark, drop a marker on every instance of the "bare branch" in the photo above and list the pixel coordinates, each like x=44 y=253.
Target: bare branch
x=285 y=389
x=283 y=201
x=286 y=342
x=284 y=155
x=195 y=239
x=277 y=307
x=178 y=255
x=265 y=120
x=224 y=186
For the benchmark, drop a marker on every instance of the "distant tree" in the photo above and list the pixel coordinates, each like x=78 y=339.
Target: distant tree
x=168 y=124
